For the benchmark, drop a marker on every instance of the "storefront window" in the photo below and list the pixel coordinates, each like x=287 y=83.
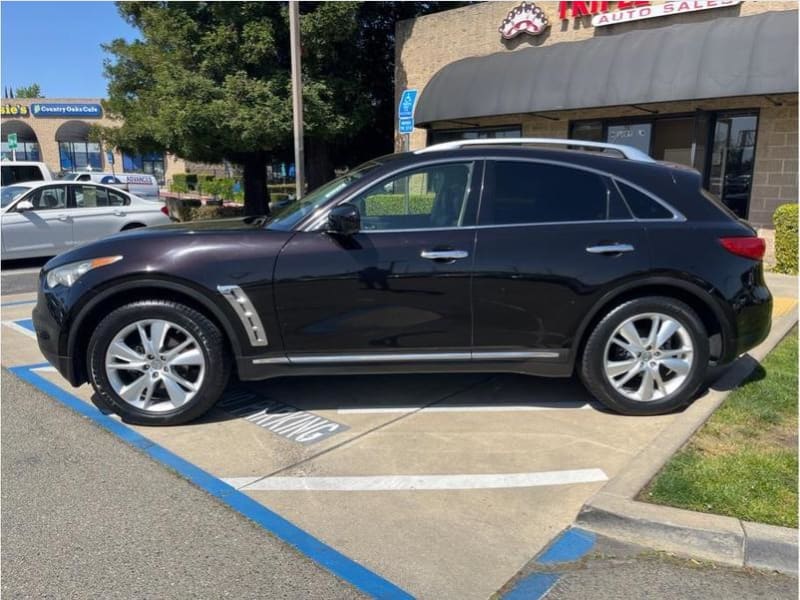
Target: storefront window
x=25 y=151
x=685 y=139
x=152 y=164
x=80 y=155
x=437 y=136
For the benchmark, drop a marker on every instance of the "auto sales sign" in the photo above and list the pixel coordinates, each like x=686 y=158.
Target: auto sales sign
x=637 y=10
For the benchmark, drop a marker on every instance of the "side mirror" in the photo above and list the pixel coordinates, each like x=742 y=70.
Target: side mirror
x=24 y=205
x=344 y=219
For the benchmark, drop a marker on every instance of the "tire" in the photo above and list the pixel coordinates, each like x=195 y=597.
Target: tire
x=618 y=376
x=181 y=383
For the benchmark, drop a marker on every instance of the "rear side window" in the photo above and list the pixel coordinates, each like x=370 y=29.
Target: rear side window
x=14 y=173
x=529 y=192
x=118 y=199
x=643 y=206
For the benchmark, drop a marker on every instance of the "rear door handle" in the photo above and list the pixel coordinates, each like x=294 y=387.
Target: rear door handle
x=610 y=249
x=444 y=254
x=63 y=217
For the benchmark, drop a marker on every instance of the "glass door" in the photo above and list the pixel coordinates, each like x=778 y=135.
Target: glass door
x=730 y=173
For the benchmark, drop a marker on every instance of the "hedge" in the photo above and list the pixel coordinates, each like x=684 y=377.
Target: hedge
x=785 y=219
x=215 y=212
x=394 y=204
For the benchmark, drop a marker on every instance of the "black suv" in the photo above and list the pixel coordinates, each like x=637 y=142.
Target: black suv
x=465 y=256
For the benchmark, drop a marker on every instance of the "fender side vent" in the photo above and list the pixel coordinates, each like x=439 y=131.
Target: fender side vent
x=246 y=312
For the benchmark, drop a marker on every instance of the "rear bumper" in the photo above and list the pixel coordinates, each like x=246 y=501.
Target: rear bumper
x=753 y=323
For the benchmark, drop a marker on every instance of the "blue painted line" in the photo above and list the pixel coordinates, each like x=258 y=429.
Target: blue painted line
x=26 y=323
x=572 y=544
x=569 y=546
x=533 y=587
x=17 y=303
x=337 y=563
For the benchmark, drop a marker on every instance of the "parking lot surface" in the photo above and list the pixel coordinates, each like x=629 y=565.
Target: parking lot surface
x=444 y=485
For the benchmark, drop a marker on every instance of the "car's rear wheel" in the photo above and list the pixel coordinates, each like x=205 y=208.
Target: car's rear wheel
x=156 y=362
x=648 y=356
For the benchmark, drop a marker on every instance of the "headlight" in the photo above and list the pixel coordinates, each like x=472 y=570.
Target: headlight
x=66 y=275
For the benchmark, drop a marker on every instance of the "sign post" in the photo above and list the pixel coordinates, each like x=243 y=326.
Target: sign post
x=12 y=145
x=110 y=160
x=405 y=116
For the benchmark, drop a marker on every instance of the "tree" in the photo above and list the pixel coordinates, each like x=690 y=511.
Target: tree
x=30 y=91
x=208 y=81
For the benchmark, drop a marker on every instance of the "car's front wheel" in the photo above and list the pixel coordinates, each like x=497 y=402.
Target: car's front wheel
x=156 y=362
x=648 y=356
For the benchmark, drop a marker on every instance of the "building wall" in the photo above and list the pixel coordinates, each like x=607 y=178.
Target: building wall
x=45 y=130
x=426 y=44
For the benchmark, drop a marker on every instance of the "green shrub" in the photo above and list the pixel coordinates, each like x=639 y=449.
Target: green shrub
x=178 y=184
x=215 y=212
x=785 y=219
x=394 y=204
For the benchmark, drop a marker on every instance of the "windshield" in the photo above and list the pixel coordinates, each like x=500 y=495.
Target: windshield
x=286 y=217
x=70 y=176
x=10 y=193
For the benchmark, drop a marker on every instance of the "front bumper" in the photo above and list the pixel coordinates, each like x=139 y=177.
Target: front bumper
x=47 y=318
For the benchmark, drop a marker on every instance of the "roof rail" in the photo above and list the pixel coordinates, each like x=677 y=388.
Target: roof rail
x=628 y=152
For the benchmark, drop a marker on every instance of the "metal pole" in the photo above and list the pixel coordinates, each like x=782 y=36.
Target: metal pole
x=297 y=97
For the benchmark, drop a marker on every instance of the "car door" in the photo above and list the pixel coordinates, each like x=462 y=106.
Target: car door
x=553 y=239
x=95 y=214
x=397 y=288
x=46 y=230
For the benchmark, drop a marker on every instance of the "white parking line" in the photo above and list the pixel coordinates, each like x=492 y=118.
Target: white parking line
x=20 y=271
x=491 y=408
x=379 y=483
x=20 y=329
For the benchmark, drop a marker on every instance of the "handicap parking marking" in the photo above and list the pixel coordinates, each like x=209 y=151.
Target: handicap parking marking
x=326 y=556
x=282 y=419
x=383 y=483
x=23 y=326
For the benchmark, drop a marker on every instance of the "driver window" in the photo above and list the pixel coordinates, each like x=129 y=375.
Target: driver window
x=431 y=197
x=49 y=198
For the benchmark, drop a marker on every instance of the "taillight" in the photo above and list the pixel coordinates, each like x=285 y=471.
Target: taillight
x=748 y=247
x=165 y=210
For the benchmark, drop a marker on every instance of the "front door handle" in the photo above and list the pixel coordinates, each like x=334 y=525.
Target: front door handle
x=444 y=254
x=610 y=249
x=63 y=217
x=119 y=213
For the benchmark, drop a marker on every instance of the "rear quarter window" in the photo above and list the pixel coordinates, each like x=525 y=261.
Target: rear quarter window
x=643 y=206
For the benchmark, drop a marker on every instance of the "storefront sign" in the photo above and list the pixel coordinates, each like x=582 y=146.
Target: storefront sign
x=14 y=110
x=658 y=10
x=625 y=12
x=58 y=110
x=525 y=18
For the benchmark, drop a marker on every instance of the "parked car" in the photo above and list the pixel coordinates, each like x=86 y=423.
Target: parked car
x=43 y=218
x=23 y=170
x=139 y=184
x=472 y=255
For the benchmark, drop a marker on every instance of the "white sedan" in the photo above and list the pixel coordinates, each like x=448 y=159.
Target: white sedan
x=45 y=218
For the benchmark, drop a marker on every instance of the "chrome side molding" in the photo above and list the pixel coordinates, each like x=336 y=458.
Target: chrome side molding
x=321 y=359
x=246 y=312
x=610 y=249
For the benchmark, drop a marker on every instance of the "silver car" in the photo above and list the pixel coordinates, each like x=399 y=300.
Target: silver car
x=45 y=218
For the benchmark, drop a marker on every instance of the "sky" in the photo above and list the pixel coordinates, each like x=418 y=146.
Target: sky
x=57 y=45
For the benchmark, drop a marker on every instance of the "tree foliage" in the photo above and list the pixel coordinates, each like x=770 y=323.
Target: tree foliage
x=33 y=90
x=209 y=81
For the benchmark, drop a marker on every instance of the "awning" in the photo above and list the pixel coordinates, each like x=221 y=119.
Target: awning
x=731 y=56
x=73 y=131
x=22 y=129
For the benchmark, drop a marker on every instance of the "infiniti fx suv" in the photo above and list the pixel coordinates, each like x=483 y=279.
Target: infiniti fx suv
x=490 y=255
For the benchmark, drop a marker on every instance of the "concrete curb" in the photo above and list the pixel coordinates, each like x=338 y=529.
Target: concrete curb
x=614 y=512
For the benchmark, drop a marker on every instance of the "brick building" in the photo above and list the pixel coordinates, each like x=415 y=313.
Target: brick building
x=711 y=84
x=55 y=131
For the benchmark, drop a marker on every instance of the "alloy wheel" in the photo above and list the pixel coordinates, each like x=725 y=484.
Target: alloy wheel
x=155 y=365
x=648 y=357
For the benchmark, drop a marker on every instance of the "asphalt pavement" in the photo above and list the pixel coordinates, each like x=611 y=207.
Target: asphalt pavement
x=20 y=276
x=85 y=516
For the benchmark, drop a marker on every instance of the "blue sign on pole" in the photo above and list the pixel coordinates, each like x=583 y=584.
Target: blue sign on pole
x=406 y=125
x=407 y=101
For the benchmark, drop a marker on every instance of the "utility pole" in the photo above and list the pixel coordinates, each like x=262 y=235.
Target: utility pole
x=297 y=97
